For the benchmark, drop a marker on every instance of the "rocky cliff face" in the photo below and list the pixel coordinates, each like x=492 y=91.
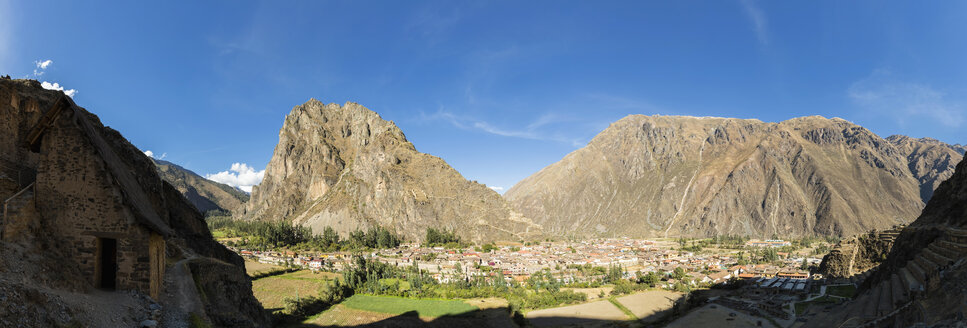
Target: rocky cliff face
x=671 y=176
x=854 y=257
x=922 y=280
x=93 y=237
x=346 y=167
x=204 y=194
x=930 y=161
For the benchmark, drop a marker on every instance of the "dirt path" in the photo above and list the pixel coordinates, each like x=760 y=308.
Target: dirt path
x=181 y=295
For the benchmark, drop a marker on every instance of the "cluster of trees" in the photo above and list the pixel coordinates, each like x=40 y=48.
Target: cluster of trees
x=377 y=278
x=448 y=239
x=759 y=256
x=375 y=237
x=486 y=248
x=260 y=235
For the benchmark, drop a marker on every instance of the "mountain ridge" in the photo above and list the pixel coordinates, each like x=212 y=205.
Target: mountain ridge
x=206 y=195
x=671 y=175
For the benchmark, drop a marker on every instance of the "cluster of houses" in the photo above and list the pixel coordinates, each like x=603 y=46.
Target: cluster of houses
x=563 y=260
x=775 y=243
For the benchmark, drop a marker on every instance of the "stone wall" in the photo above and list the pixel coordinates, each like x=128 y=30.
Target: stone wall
x=81 y=203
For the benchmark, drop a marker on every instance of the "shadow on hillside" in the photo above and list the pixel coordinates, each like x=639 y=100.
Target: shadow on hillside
x=497 y=317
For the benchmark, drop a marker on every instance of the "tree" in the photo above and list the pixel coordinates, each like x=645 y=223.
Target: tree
x=651 y=279
x=436 y=237
x=805 y=264
x=679 y=273
x=330 y=239
x=742 y=260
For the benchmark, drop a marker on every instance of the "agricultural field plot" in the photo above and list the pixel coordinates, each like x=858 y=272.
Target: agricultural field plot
x=342 y=316
x=272 y=291
x=601 y=313
x=593 y=293
x=311 y=275
x=251 y=267
x=714 y=315
x=651 y=305
x=399 y=305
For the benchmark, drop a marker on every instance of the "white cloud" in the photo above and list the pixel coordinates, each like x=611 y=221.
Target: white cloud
x=240 y=175
x=41 y=66
x=58 y=87
x=758 y=18
x=905 y=101
x=151 y=154
x=495 y=188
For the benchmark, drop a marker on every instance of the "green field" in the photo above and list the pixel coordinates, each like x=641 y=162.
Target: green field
x=399 y=305
x=841 y=290
x=272 y=291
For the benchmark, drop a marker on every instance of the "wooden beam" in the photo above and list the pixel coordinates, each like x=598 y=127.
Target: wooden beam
x=46 y=121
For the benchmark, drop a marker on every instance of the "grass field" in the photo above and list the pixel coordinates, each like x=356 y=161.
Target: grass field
x=272 y=291
x=841 y=290
x=399 y=305
x=251 y=267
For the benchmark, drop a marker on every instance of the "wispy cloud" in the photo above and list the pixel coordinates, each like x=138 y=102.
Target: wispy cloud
x=58 y=87
x=240 y=175
x=758 y=18
x=904 y=101
x=532 y=131
x=496 y=188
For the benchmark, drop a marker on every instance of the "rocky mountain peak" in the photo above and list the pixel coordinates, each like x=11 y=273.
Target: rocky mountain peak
x=346 y=167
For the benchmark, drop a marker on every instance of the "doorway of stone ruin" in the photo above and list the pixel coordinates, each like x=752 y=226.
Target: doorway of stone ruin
x=107 y=263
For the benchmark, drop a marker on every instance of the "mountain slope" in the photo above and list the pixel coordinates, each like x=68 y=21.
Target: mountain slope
x=346 y=167
x=928 y=257
x=670 y=176
x=205 y=194
x=929 y=160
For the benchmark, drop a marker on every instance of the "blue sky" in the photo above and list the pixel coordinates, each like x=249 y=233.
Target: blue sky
x=497 y=89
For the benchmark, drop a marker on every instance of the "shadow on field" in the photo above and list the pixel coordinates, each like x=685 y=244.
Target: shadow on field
x=498 y=317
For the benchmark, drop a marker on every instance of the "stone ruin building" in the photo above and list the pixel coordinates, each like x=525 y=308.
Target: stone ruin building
x=85 y=210
x=64 y=178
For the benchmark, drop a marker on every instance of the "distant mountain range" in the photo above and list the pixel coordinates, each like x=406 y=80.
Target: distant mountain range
x=686 y=176
x=643 y=176
x=205 y=194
